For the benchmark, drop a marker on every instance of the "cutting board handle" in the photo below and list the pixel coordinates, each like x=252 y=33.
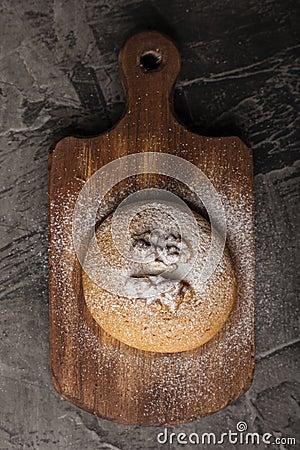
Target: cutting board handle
x=149 y=64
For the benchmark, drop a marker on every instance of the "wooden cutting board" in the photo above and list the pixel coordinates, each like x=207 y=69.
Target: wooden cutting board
x=89 y=367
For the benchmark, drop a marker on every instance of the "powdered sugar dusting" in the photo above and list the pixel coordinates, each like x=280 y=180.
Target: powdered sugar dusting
x=161 y=379
x=170 y=313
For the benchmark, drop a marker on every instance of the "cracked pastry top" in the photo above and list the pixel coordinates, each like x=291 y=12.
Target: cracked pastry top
x=160 y=312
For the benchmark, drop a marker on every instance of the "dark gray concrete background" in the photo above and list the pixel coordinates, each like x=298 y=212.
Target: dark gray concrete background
x=59 y=76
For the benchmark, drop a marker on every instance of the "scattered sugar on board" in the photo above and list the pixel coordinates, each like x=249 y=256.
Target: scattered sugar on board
x=181 y=373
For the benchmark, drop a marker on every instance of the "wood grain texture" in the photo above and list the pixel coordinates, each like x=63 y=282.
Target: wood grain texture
x=90 y=368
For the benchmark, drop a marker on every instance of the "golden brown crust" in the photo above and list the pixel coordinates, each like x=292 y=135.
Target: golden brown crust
x=185 y=317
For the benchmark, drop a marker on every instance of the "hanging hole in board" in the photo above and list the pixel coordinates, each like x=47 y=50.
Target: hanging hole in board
x=151 y=60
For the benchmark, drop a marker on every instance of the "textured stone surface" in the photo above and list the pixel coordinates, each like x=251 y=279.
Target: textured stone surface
x=59 y=76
